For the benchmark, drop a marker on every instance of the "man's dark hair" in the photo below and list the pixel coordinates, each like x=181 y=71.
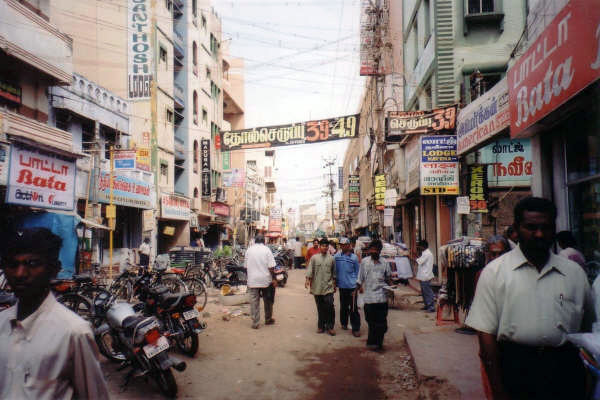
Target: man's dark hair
x=259 y=239
x=297 y=238
x=324 y=241
x=566 y=238
x=40 y=241
x=537 y=204
x=423 y=243
x=376 y=244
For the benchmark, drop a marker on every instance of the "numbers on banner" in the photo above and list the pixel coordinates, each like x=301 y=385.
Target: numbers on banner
x=345 y=127
x=444 y=118
x=317 y=130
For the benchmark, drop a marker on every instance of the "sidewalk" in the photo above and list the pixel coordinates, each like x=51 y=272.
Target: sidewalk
x=448 y=355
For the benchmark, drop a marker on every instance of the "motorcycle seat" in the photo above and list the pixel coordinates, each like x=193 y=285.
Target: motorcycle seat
x=158 y=290
x=129 y=323
x=82 y=278
x=168 y=300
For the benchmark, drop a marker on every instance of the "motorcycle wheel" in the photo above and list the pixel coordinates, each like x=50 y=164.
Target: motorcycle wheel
x=197 y=287
x=78 y=304
x=105 y=345
x=166 y=382
x=188 y=345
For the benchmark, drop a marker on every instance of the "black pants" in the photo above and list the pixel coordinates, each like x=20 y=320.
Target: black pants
x=325 y=311
x=376 y=316
x=144 y=260
x=549 y=373
x=348 y=307
x=298 y=262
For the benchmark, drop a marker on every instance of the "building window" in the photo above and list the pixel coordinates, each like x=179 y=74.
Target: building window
x=196 y=194
x=427 y=21
x=168 y=4
x=163 y=54
x=195 y=53
x=164 y=172
x=214 y=45
x=169 y=116
x=196 y=155
x=195 y=107
x=207 y=72
x=204 y=117
x=204 y=23
x=195 y=7
x=481 y=6
x=479 y=83
x=267 y=172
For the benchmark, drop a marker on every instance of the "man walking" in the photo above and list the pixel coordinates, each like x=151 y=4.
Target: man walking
x=46 y=350
x=425 y=274
x=259 y=263
x=526 y=302
x=297 y=246
x=145 y=253
x=320 y=277
x=373 y=276
x=313 y=250
x=347 y=267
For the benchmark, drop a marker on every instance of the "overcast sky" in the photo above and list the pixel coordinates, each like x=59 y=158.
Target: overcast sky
x=302 y=63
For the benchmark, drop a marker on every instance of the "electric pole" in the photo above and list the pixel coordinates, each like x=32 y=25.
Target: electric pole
x=331 y=192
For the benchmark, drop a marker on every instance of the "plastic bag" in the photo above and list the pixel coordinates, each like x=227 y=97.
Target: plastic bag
x=360 y=300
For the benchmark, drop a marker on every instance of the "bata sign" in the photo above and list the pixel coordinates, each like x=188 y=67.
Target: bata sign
x=560 y=63
x=41 y=179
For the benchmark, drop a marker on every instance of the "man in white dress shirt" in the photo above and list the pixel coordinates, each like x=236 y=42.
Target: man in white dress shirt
x=46 y=350
x=425 y=274
x=260 y=264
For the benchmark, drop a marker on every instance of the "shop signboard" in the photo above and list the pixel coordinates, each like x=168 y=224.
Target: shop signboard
x=175 y=207
x=411 y=159
x=234 y=178
x=127 y=191
x=320 y=131
x=124 y=160
x=143 y=159
x=439 y=165
x=205 y=167
x=462 y=205
x=4 y=158
x=380 y=191
x=139 y=49
x=478 y=190
x=483 y=118
x=148 y=220
x=388 y=217
x=220 y=208
x=354 y=191
x=226 y=159
x=563 y=60
x=41 y=179
x=398 y=124
x=509 y=162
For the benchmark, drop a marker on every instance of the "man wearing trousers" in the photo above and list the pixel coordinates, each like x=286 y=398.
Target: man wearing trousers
x=320 y=277
x=425 y=274
x=347 y=267
x=374 y=275
x=259 y=263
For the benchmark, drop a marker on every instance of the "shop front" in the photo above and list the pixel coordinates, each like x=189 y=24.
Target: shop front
x=219 y=228
x=556 y=105
x=174 y=222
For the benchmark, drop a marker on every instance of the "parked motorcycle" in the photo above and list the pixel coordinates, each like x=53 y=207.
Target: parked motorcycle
x=137 y=342
x=177 y=314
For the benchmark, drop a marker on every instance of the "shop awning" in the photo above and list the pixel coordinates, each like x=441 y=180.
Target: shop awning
x=92 y=224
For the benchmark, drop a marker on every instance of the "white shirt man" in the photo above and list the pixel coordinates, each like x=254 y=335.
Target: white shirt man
x=259 y=262
x=297 y=246
x=425 y=266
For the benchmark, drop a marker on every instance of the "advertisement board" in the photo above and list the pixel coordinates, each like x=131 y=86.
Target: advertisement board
x=319 y=131
x=439 y=165
x=220 y=209
x=563 y=60
x=143 y=159
x=509 y=162
x=412 y=164
x=41 y=179
x=234 y=177
x=483 y=118
x=139 y=49
x=401 y=123
x=127 y=191
x=205 y=167
x=174 y=207
x=478 y=190
x=124 y=160
x=354 y=191
x=380 y=192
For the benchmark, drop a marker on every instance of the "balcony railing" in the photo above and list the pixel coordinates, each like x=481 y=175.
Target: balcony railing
x=250 y=214
x=179 y=96
x=179 y=149
x=178 y=43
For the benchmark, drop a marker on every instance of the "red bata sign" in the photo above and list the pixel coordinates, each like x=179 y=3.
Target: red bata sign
x=560 y=63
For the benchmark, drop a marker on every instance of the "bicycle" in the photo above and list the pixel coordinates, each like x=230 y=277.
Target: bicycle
x=193 y=277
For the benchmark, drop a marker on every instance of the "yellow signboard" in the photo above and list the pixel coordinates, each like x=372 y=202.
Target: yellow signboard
x=143 y=159
x=380 y=192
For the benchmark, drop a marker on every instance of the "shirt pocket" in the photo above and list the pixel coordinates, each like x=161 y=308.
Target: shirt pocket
x=568 y=313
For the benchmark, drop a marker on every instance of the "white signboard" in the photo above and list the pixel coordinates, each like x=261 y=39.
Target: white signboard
x=174 y=207
x=124 y=160
x=388 y=217
x=41 y=179
x=411 y=159
x=462 y=205
x=139 y=49
x=483 y=118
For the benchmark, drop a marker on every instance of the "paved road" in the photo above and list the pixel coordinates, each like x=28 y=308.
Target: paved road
x=288 y=360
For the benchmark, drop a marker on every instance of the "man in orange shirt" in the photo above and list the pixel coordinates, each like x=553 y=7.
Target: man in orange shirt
x=312 y=251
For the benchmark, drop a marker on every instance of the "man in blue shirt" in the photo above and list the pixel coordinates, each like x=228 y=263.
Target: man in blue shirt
x=347 y=266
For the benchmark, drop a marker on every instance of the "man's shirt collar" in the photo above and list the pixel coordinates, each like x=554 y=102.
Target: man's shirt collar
x=28 y=324
x=519 y=260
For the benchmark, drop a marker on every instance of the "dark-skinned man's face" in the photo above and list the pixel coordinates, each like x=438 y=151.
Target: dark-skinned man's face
x=315 y=244
x=28 y=274
x=324 y=248
x=536 y=233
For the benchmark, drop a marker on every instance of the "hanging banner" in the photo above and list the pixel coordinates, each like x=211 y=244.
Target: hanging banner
x=380 y=192
x=143 y=159
x=478 y=190
x=510 y=163
x=320 y=131
x=354 y=191
x=139 y=49
x=127 y=191
x=439 y=165
x=370 y=63
x=124 y=160
x=483 y=118
x=388 y=217
x=174 y=207
x=41 y=179
x=4 y=158
x=563 y=60
x=235 y=177
x=205 y=167
x=401 y=123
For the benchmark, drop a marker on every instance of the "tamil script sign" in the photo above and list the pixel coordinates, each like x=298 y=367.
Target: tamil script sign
x=380 y=192
x=478 y=191
x=139 y=49
x=439 y=165
x=354 y=191
x=401 y=123
x=510 y=162
x=41 y=179
x=205 y=167
x=174 y=207
x=124 y=159
x=561 y=62
x=286 y=135
x=127 y=191
x=483 y=118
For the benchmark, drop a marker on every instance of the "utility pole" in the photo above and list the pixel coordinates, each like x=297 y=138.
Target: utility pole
x=329 y=163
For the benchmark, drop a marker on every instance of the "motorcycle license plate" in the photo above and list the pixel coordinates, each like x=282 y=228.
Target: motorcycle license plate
x=279 y=277
x=152 y=350
x=193 y=313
